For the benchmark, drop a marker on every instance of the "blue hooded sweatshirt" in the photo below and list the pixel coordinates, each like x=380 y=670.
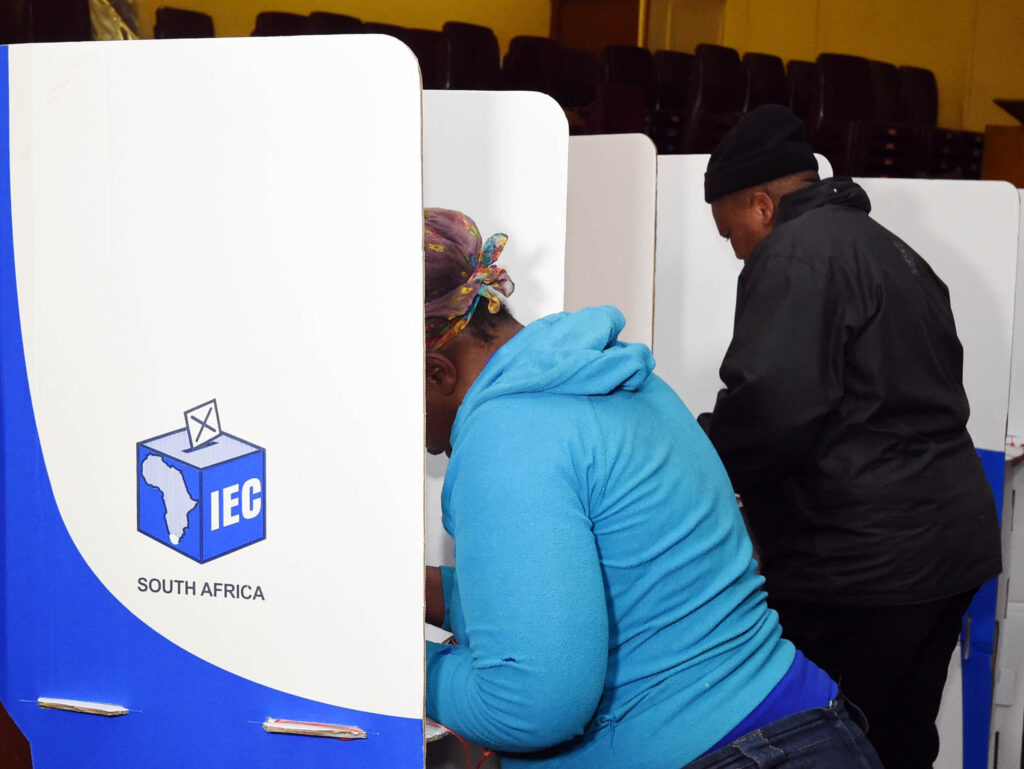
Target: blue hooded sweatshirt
x=604 y=600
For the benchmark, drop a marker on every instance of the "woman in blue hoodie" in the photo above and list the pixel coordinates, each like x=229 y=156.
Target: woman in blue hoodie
x=604 y=601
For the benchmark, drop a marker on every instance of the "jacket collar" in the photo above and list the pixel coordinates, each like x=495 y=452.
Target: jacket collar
x=837 y=191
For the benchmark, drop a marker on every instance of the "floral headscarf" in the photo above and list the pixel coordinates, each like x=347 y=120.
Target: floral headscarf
x=459 y=271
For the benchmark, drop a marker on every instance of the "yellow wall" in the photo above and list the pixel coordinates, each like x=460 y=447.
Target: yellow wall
x=974 y=47
x=682 y=24
x=997 y=70
x=235 y=18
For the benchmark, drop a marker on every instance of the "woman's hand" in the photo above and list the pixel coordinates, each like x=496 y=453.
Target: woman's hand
x=434 y=597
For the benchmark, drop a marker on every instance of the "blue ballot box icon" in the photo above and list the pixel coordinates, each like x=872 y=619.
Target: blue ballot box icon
x=204 y=498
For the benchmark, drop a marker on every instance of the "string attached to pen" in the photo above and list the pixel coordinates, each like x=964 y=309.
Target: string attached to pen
x=465 y=746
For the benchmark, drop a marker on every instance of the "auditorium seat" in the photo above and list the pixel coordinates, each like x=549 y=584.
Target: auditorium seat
x=941 y=151
x=765 y=77
x=972 y=147
x=714 y=98
x=845 y=87
x=672 y=73
x=882 y=149
x=885 y=145
x=666 y=124
x=846 y=97
x=532 y=64
x=887 y=93
x=272 y=23
x=863 y=131
x=474 y=60
x=938 y=151
x=376 y=28
x=804 y=82
x=618 y=108
x=177 y=23
x=945 y=153
x=431 y=51
x=631 y=65
x=628 y=66
x=919 y=96
x=938 y=148
x=324 y=23
x=578 y=75
x=577 y=78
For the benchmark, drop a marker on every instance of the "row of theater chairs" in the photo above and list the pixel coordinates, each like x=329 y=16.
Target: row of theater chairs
x=466 y=56
x=870 y=118
x=877 y=119
x=460 y=56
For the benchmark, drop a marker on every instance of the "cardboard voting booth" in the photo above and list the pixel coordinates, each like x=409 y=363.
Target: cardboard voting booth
x=1015 y=418
x=1008 y=688
x=967 y=231
x=501 y=158
x=609 y=244
x=211 y=403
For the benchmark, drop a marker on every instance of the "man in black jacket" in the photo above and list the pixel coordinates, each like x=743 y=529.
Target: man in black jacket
x=843 y=427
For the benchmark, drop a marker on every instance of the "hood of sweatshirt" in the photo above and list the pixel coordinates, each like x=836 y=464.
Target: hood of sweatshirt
x=569 y=353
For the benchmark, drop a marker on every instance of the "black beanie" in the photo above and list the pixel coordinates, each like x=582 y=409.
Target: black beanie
x=768 y=143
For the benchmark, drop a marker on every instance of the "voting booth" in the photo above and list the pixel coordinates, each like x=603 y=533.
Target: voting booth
x=1008 y=689
x=609 y=244
x=968 y=232
x=1015 y=417
x=501 y=157
x=211 y=404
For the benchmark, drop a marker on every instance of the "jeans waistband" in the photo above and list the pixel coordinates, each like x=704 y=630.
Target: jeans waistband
x=778 y=731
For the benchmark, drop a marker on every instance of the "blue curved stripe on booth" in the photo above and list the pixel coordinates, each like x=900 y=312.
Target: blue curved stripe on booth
x=63 y=634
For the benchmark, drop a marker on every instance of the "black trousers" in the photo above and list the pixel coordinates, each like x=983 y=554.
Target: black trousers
x=891 y=661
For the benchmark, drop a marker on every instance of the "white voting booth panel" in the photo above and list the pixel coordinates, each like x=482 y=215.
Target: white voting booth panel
x=609 y=244
x=502 y=159
x=695 y=285
x=199 y=234
x=1008 y=694
x=967 y=231
x=1015 y=419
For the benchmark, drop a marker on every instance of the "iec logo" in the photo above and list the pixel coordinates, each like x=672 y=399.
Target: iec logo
x=202 y=492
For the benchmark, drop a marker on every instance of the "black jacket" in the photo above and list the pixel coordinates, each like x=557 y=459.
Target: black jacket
x=843 y=419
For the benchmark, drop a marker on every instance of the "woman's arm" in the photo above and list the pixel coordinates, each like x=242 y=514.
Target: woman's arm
x=530 y=667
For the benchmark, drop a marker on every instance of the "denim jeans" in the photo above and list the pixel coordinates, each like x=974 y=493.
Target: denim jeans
x=821 y=738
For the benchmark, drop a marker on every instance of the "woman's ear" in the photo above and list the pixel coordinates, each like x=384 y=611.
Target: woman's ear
x=442 y=375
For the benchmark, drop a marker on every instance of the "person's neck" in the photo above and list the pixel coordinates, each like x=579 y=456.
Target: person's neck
x=505 y=333
x=473 y=354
